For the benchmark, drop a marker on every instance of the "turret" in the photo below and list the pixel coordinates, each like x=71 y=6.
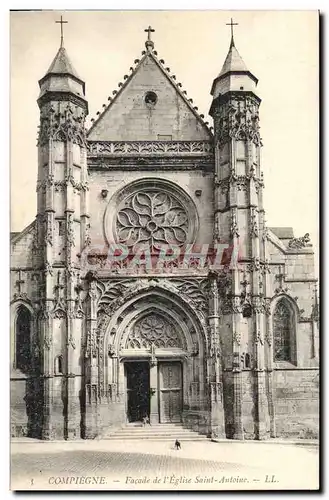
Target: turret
x=239 y=221
x=62 y=230
x=234 y=75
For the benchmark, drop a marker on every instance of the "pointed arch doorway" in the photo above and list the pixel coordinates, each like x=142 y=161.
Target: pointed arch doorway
x=160 y=330
x=153 y=368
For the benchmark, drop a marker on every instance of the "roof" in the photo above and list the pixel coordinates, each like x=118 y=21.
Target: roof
x=234 y=64
x=62 y=65
x=233 y=61
x=16 y=236
x=160 y=63
x=283 y=232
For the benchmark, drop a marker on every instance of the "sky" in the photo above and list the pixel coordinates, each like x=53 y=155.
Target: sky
x=279 y=47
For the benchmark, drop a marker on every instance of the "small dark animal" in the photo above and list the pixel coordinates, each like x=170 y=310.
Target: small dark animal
x=146 y=420
x=177 y=445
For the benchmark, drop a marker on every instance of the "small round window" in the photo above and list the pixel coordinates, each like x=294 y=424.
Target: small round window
x=151 y=98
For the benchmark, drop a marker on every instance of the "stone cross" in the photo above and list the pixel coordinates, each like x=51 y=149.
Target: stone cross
x=149 y=30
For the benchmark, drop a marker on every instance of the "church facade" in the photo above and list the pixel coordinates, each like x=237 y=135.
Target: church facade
x=148 y=284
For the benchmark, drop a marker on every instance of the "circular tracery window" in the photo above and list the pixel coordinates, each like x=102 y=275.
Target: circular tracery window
x=152 y=216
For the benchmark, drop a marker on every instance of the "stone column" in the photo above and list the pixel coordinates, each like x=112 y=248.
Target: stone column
x=237 y=398
x=271 y=403
x=236 y=368
x=154 y=393
x=91 y=362
x=47 y=371
x=270 y=388
x=217 y=420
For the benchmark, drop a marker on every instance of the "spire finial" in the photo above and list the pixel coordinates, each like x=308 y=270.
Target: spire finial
x=232 y=34
x=61 y=22
x=149 y=44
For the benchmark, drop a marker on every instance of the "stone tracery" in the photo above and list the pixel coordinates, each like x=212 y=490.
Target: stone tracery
x=153 y=330
x=154 y=217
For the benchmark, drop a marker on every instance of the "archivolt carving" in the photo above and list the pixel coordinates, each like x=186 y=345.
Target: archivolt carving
x=119 y=292
x=115 y=290
x=153 y=330
x=194 y=291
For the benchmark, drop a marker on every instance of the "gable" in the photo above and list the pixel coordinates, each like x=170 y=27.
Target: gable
x=129 y=118
x=274 y=253
x=21 y=247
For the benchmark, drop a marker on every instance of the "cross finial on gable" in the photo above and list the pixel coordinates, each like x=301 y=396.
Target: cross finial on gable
x=149 y=44
x=149 y=30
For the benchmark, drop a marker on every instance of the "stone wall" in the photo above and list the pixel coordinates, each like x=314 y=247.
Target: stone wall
x=296 y=400
x=25 y=405
x=189 y=181
x=248 y=410
x=19 y=417
x=228 y=403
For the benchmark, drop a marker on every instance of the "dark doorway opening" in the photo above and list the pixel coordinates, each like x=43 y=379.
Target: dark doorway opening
x=138 y=390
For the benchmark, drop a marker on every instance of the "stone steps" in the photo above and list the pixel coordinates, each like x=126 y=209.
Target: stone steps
x=158 y=432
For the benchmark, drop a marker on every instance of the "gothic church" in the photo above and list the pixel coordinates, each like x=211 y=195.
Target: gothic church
x=228 y=352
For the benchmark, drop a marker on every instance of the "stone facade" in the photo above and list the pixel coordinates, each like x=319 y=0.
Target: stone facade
x=229 y=350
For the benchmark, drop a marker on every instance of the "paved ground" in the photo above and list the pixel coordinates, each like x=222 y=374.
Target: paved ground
x=156 y=465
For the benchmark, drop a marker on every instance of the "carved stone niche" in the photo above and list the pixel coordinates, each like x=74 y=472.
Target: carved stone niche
x=246 y=310
x=151 y=212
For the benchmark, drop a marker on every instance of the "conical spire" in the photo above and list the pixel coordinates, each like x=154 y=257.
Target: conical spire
x=233 y=61
x=61 y=79
x=234 y=75
x=61 y=76
x=62 y=65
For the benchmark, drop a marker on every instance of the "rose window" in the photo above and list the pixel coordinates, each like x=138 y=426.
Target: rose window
x=152 y=217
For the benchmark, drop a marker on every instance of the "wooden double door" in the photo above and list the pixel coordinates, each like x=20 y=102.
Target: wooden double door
x=161 y=391
x=170 y=391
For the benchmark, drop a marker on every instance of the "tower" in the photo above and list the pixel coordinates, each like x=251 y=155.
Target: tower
x=239 y=220
x=61 y=233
